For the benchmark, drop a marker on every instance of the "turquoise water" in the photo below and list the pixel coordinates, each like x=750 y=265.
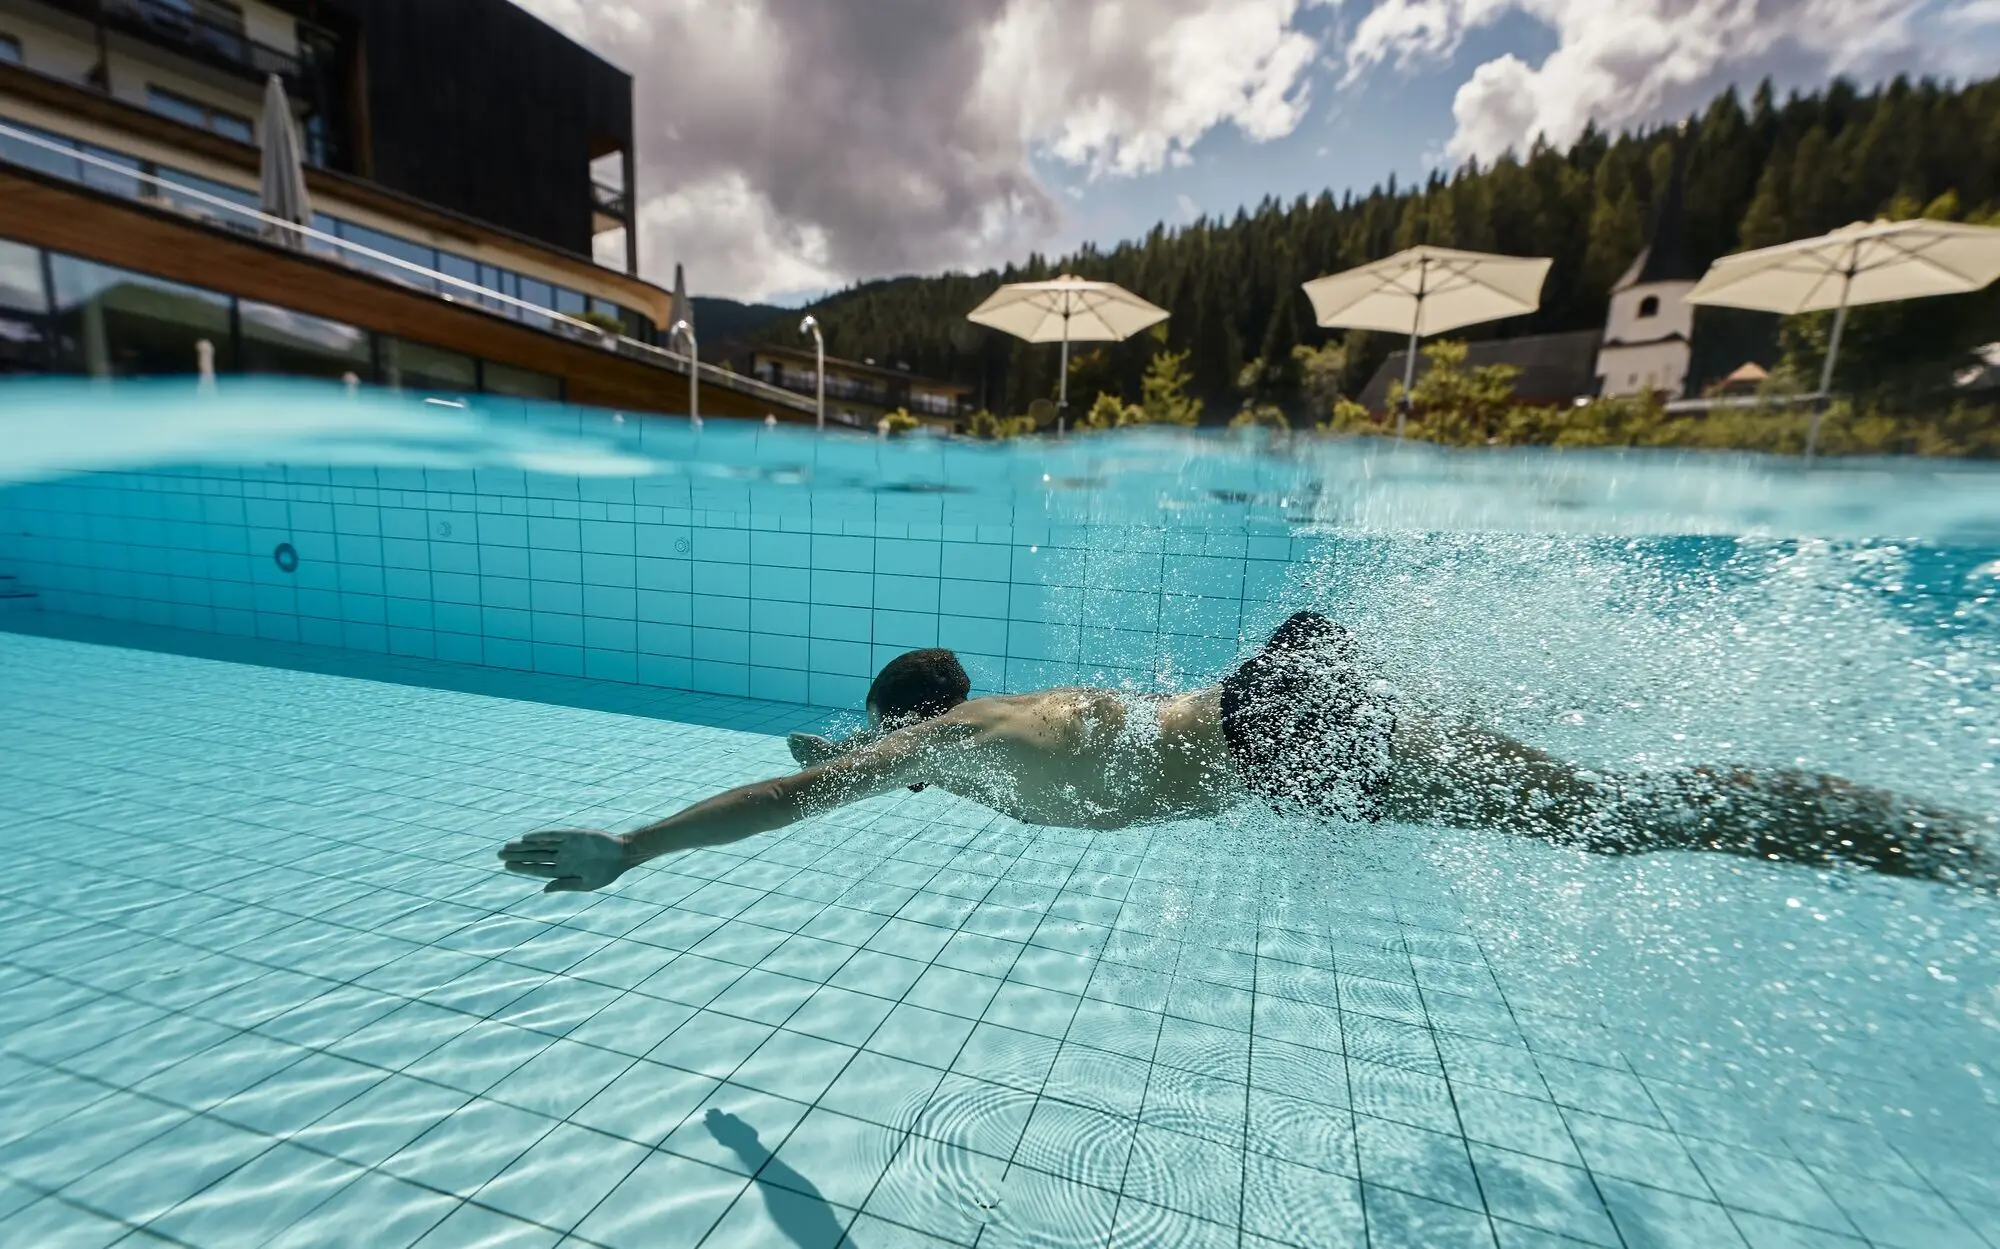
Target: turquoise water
x=263 y=985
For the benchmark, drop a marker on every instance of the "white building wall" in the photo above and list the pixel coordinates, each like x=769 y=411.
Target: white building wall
x=1676 y=314
x=1637 y=369
x=132 y=75
x=47 y=49
x=1644 y=353
x=271 y=27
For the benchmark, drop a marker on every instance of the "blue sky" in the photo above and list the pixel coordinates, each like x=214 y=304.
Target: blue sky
x=1354 y=138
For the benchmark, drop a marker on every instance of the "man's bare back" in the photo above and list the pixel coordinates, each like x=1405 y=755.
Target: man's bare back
x=1099 y=759
x=1075 y=757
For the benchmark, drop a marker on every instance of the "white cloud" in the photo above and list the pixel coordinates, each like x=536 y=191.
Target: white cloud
x=1621 y=62
x=1972 y=14
x=787 y=144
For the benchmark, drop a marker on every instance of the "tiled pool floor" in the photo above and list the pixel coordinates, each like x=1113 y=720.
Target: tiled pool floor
x=261 y=982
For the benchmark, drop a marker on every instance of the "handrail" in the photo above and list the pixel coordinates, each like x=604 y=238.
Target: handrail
x=617 y=343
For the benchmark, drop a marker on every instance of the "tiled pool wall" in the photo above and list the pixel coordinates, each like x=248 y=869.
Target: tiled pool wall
x=746 y=589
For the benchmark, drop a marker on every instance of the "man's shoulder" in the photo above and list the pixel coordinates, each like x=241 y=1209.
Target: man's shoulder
x=1001 y=706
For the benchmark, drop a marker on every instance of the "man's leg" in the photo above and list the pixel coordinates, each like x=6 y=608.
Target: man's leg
x=1790 y=816
x=1467 y=778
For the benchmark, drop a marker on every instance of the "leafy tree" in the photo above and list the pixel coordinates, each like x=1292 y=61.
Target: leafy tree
x=1454 y=403
x=1108 y=412
x=1164 y=398
x=1261 y=416
x=1321 y=370
x=983 y=424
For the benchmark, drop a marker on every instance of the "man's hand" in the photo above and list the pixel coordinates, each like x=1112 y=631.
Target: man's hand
x=573 y=859
x=811 y=750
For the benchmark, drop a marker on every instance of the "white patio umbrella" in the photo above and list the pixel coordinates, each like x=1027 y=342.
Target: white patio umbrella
x=1869 y=262
x=1428 y=290
x=283 y=175
x=1066 y=309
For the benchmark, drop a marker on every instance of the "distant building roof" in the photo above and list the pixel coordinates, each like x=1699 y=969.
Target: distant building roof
x=1555 y=368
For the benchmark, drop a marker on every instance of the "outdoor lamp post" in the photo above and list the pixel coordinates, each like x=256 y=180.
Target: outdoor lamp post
x=683 y=329
x=811 y=325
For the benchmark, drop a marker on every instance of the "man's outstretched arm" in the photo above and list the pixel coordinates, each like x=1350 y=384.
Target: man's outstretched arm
x=579 y=859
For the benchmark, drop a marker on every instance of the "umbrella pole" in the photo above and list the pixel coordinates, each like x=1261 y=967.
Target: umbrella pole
x=1410 y=360
x=1826 y=369
x=1062 y=387
x=1409 y=380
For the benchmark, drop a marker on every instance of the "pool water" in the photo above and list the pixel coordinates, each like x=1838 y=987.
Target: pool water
x=264 y=984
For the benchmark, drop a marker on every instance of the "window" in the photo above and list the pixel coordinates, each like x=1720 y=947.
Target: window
x=128 y=186
x=201 y=209
x=413 y=366
x=21 y=278
x=278 y=340
x=35 y=156
x=23 y=345
x=502 y=281
x=390 y=245
x=23 y=336
x=463 y=268
x=1649 y=306
x=10 y=49
x=115 y=323
x=194 y=113
x=506 y=379
x=540 y=294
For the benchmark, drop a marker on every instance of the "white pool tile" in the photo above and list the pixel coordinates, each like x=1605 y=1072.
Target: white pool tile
x=292 y=994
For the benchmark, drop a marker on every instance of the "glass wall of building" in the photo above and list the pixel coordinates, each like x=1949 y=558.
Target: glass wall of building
x=504 y=379
x=63 y=314
x=24 y=306
x=277 y=340
x=115 y=323
x=431 y=370
x=21 y=284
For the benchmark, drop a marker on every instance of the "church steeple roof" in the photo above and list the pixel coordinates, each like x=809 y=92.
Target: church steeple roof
x=1665 y=258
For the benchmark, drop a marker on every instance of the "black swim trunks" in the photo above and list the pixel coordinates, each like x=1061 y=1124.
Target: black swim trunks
x=1310 y=730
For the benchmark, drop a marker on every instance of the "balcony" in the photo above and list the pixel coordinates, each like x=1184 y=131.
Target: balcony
x=201 y=29
x=936 y=405
x=859 y=390
x=609 y=200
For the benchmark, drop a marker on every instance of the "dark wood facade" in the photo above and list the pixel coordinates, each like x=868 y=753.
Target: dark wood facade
x=63 y=217
x=480 y=107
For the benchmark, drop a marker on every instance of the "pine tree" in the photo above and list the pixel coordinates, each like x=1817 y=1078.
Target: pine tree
x=1617 y=232
x=1764 y=221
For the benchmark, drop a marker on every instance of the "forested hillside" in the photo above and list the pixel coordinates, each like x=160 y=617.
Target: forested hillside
x=1757 y=173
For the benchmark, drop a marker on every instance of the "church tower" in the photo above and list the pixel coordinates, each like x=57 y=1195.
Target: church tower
x=1650 y=327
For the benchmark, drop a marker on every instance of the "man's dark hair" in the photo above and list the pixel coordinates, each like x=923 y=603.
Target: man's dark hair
x=919 y=685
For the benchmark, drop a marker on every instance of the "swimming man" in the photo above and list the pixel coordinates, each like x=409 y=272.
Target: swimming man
x=1302 y=726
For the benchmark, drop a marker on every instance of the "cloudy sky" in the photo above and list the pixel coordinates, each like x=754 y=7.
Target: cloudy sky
x=792 y=146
